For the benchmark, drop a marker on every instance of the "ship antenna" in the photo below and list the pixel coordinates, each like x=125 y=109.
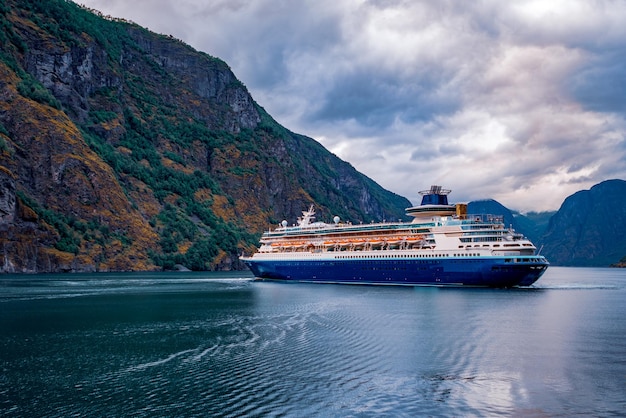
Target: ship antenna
x=307 y=215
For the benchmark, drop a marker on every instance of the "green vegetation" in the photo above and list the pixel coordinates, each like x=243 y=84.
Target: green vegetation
x=3 y=133
x=33 y=89
x=4 y=130
x=65 y=20
x=208 y=234
x=100 y=116
x=73 y=232
x=169 y=136
x=152 y=122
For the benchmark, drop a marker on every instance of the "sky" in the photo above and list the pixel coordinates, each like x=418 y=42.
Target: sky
x=523 y=102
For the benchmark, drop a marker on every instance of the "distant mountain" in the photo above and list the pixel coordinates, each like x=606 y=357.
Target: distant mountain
x=589 y=228
x=121 y=149
x=536 y=224
x=532 y=224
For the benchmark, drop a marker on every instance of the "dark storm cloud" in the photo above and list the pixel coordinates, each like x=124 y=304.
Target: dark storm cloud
x=519 y=101
x=377 y=100
x=601 y=84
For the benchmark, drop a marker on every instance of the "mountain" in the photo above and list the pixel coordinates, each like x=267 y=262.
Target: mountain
x=121 y=149
x=532 y=224
x=535 y=225
x=588 y=229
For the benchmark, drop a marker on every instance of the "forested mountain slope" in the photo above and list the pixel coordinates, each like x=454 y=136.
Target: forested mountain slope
x=121 y=149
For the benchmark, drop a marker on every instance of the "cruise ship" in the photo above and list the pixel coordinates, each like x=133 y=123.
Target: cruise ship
x=441 y=246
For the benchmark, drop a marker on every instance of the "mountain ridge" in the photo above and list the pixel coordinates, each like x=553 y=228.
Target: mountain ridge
x=577 y=233
x=121 y=149
x=587 y=230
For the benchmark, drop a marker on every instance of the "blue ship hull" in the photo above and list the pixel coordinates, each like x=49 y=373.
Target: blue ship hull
x=444 y=271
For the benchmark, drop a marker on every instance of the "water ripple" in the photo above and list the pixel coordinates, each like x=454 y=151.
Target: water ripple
x=242 y=348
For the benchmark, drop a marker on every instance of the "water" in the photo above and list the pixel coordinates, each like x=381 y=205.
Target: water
x=190 y=344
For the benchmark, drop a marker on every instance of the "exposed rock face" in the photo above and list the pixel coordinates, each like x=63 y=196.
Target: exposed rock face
x=206 y=77
x=121 y=150
x=7 y=198
x=20 y=235
x=70 y=75
x=50 y=163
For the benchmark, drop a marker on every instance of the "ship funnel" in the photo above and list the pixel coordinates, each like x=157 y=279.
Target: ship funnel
x=461 y=210
x=435 y=196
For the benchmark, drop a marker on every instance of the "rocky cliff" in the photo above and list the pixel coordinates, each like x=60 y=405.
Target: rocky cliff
x=121 y=149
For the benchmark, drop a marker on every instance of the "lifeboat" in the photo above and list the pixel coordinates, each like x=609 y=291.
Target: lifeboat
x=358 y=243
x=277 y=246
x=375 y=241
x=394 y=240
x=414 y=238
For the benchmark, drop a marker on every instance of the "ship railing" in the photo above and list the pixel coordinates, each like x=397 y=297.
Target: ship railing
x=296 y=230
x=484 y=218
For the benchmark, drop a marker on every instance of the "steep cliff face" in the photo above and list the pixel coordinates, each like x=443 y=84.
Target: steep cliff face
x=47 y=167
x=121 y=149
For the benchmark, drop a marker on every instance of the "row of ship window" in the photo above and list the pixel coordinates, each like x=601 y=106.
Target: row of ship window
x=522 y=260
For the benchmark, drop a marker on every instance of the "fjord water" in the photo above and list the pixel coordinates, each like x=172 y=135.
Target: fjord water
x=191 y=344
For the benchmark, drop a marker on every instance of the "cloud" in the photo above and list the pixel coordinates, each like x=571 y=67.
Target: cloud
x=518 y=101
x=601 y=83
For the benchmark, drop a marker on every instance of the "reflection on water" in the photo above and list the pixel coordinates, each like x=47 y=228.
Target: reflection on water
x=223 y=344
